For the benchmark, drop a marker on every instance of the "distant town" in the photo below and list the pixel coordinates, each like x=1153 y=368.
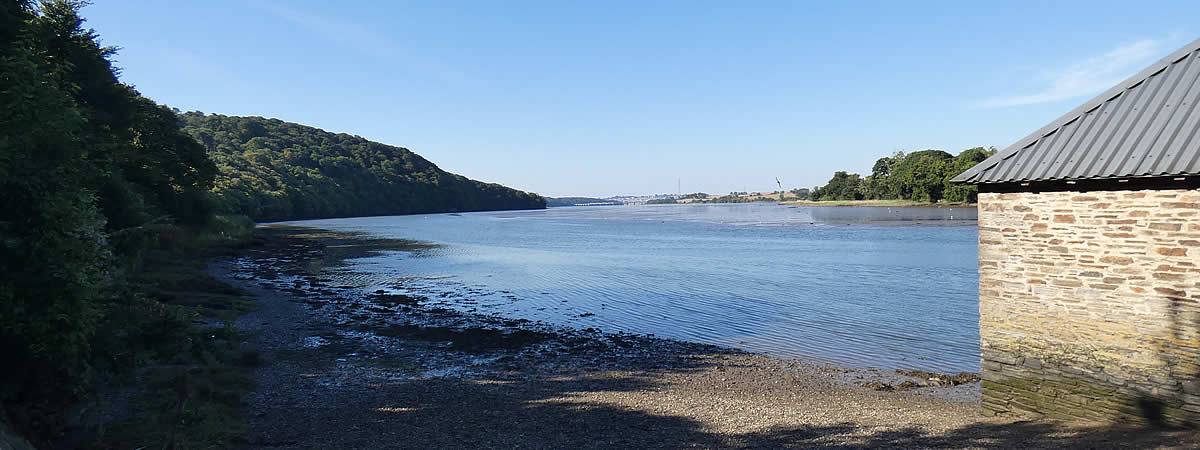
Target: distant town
x=695 y=197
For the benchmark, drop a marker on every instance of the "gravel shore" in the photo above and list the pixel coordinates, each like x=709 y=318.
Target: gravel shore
x=344 y=368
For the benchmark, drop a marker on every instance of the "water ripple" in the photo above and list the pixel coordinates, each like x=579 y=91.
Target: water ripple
x=759 y=277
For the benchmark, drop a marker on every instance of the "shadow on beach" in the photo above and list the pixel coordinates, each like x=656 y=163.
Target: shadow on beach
x=455 y=413
x=370 y=383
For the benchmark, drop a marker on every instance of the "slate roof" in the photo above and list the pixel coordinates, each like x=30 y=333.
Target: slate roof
x=1146 y=126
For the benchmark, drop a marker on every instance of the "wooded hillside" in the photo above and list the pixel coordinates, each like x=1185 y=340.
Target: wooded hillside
x=272 y=170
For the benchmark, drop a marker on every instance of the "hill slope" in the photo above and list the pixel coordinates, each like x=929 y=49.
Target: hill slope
x=273 y=170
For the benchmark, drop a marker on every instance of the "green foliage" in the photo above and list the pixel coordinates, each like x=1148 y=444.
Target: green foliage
x=90 y=173
x=142 y=166
x=274 y=170
x=922 y=176
x=962 y=193
x=54 y=256
x=843 y=186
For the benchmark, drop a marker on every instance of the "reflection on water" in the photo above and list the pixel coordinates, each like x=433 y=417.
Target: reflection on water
x=896 y=288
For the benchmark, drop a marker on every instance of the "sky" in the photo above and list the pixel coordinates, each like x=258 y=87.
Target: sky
x=611 y=97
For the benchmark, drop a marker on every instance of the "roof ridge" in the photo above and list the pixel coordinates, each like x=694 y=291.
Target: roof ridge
x=1075 y=114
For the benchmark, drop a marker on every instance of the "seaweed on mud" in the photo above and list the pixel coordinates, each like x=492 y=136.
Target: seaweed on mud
x=939 y=379
x=394 y=300
x=473 y=340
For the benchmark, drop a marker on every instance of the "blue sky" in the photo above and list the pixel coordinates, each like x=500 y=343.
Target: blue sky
x=604 y=98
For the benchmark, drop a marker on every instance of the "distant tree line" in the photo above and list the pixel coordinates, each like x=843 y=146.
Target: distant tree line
x=575 y=201
x=273 y=170
x=673 y=200
x=734 y=197
x=922 y=176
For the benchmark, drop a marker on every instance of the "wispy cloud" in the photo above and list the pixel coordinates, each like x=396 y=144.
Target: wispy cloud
x=1086 y=77
x=347 y=34
x=357 y=38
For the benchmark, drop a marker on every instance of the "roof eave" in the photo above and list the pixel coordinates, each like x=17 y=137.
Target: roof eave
x=1097 y=101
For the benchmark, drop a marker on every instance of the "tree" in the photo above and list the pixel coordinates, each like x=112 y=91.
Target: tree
x=963 y=193
x=87 y=166
x=54 y=258
x=922 y=176
x=843 y=186
x=875 y=185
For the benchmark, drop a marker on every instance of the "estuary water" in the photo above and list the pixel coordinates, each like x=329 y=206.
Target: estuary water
x=875 y=287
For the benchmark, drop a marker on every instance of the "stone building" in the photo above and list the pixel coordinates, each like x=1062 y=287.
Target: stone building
x=1089 y=256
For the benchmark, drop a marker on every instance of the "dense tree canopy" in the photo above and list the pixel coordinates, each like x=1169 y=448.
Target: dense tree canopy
x=843 y=186
x=922 y=176
x=87 y=165
x=270 y=170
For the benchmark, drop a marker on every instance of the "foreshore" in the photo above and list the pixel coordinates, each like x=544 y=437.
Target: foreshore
x=348 y=367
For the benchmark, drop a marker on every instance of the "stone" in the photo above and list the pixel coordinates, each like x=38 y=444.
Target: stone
x=1177 y=251
x=1170 y=292
x=1166 y=226
x=1074 y=320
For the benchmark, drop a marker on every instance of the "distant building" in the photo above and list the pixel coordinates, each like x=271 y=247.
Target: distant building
x=1089 y=256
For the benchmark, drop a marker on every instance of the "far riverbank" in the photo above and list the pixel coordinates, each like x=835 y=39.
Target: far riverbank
x=879 y=203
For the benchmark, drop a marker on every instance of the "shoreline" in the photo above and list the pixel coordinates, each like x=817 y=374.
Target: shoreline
x=338 y=362
x=878 y=204
x=434 y=315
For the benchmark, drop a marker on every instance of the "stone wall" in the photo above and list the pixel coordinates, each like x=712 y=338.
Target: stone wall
x=1088 y=304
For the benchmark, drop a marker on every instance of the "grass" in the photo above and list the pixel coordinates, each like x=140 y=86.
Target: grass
x=191 y=368
x=890 y=203
x=192 y=401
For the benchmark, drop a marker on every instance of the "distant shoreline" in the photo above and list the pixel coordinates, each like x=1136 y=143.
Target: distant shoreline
x=879 y=203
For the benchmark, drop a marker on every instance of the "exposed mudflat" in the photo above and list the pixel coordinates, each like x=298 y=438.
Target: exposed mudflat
x=345 y=368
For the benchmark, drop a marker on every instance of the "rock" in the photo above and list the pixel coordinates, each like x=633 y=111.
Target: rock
x=879 y=386
x=939 y=379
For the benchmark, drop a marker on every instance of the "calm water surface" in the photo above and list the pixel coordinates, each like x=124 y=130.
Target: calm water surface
x=864 y=287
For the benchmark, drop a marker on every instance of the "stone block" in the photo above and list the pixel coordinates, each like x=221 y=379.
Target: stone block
x=1168 y=251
